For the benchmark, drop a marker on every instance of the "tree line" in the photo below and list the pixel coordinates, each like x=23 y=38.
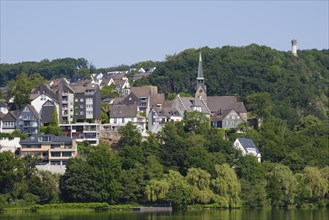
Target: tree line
x=187 y=163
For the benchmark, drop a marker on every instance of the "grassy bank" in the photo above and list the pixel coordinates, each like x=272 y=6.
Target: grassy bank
x=72 y=206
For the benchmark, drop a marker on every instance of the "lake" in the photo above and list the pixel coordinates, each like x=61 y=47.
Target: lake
x=242 y=214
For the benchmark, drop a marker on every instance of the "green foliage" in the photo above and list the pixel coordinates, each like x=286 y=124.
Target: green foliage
x=130 y=136
x=227 y=187
x=196 y=122
x=50 y=129
x=54 y=119
x=20 y=88
x=109 y=92
x=281 y=186
x=105 y=118
x=66 y=67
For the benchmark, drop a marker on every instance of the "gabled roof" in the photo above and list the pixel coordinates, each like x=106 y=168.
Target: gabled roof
x=167 y=112
x=248 y=143
x=37 y=138
x=117 y=101
x=157 y=99
x=2 y=115
x=84 y=87
x=144 y=91
x=123 y=111
x=129 y=100
x=10 y=116
x=189 y=103
x=220 y=115
x=33 y=111
x=105 y=82
x=119 y=82
x=216 y=103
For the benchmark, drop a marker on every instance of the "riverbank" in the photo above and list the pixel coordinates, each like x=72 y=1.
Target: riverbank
x=72 y=206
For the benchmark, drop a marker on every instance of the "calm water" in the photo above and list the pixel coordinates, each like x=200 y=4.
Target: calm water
x=317 y=214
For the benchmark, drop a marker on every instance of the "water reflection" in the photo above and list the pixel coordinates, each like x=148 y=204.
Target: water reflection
x=241 y=214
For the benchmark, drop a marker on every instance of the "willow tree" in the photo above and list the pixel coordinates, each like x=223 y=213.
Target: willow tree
x=227 y=187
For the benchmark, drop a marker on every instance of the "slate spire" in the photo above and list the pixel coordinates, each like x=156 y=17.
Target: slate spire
x=200 y=77
x=201 y=90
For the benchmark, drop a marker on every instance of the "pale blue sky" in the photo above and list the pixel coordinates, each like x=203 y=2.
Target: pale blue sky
x=110 y=33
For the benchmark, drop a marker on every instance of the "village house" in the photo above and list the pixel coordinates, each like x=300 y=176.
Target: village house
x=247 y=146
x=28 y=120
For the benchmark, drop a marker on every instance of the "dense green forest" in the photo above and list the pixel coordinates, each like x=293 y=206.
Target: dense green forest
x=184 y=166
x=298 y=85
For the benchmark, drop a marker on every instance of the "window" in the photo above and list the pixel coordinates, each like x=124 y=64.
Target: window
x=123 y=120
x=55 y=154
x=81 y=100
x=76 y=100
x=66 y=154
x=82 y=106
x=82 y=113
x=115 y=121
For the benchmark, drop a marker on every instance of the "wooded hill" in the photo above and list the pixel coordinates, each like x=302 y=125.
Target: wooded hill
x=299 y=86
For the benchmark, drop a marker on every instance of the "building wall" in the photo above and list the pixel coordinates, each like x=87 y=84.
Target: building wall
x=39 y=101
x=232 y=120
x=9 y=145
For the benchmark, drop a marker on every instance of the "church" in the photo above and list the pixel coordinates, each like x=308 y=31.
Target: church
x=223 y=111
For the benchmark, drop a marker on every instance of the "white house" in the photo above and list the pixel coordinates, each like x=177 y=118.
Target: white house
x=120 y=115
x=247 y=146
x=38 y=100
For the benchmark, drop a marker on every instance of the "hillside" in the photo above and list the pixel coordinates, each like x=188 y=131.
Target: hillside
x=297 y=84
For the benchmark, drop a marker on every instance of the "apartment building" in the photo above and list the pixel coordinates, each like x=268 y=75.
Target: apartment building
x=54 y=151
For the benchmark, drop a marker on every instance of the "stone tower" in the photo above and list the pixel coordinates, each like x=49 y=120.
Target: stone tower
x=294 y=47
x=201 y=90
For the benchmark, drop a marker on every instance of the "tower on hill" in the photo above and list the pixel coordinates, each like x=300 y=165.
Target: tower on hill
x=294 y=47
x=201 y=90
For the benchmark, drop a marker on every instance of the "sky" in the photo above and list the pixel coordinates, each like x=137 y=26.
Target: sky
x=112 y=33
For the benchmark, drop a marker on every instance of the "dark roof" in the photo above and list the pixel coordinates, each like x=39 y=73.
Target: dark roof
x=10 y=116
x=123 y=111
x=1 y=115
x=34 y=111
x=248 y=143
x=53 y=139
x=3 y=105
x=130 y=99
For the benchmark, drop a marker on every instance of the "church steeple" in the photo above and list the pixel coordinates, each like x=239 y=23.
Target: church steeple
x=201 y=90
x=200 y=77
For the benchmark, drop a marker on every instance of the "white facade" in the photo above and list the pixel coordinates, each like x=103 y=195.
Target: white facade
x=39 y=101
x=9 y=145
x=4 y=110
